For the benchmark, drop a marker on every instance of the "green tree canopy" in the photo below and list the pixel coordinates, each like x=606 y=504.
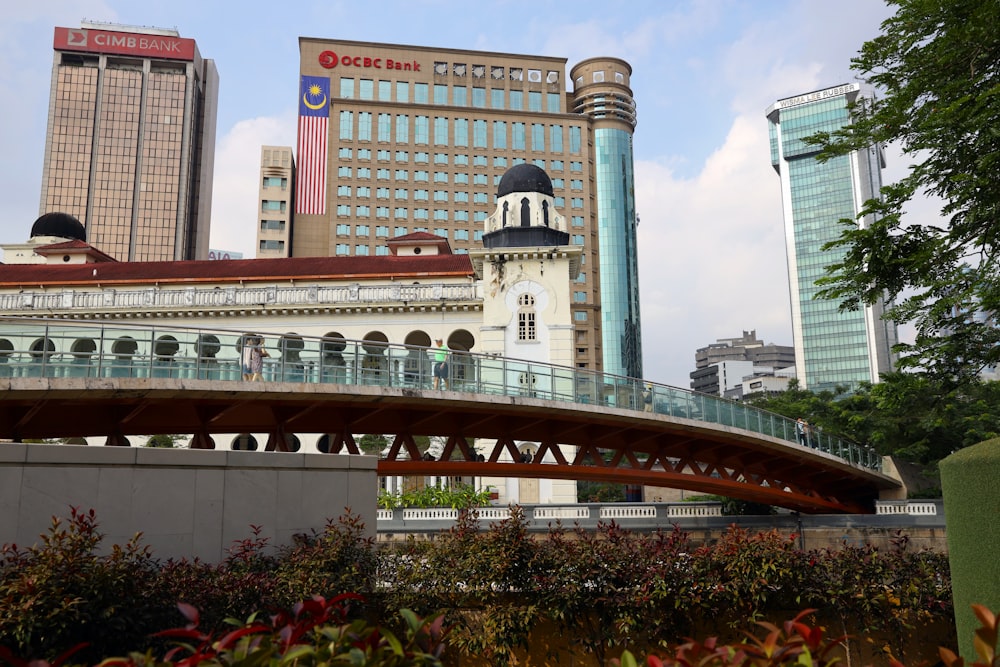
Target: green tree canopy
x=936 y=71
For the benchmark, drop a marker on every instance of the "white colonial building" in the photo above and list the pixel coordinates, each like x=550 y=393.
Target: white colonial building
x=510 y=298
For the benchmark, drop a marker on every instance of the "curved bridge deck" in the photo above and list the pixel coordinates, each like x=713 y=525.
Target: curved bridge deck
x=133 y=380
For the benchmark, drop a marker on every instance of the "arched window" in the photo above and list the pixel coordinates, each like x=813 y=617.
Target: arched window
x=525 y=213
x=506 y=206
x=526 y=317
x=545 y=213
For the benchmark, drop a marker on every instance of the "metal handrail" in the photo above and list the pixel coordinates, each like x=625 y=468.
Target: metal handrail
x=36 y=347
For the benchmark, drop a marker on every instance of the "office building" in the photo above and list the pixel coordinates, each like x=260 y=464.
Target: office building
x=277 y=177
x=395 y=139
x=832 y=347
x=130 y=144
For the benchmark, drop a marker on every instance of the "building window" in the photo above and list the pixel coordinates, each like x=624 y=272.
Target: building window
x=364 y=191
x=420 y=91
x=461 y=216
x=517 y=100
x=517 y=136
x=537 y=137
x=577 y=239
x=441 y=231
x=381 y=193
x=399 y=231
x=459 y=96
x=402 y=129
x=381 y=250
x=420 y=214
x=421 y=157
x=440 y=131
x=421 y=175
x=382 y=231
x=576 y=184
x=272 y=205
x=440 y=94
x=366 y=89
x=347 y=89
x=272 y=244
x=461 y=160
x=383 y=156
x=400 y=214
x=576 y=166
x=526 y=317
x=579 y=315
x=343 y=210
x=579 y=297
x=477 y=235
x=272 y=225
x=362 y=211
x=534 y=101
x=556 y=138
x=559 y=202
x=441 y=158
x=441 y=214
x=402 y=175
x=479 y=134
x=461 y=197
x=361 y=231
x=275 y=182
x=345 y=153
x=556 y=165
x=499 y=134
x=577 y=221
x=343 y=229
x=479 y=198
x=364 y=154
x=402 y=91
x=420 y=195
x=342 y=249
x=441 y=195
x=347 y=125
x=479 y=97
x=479 y=161
x=421 y=130
x=552 y=101
x=461 y=234
x=361 y=250
x=574 y=140
x=440 y=177
x=496 y=98
x=401 y=193
x=382 y=174
x=364 y=172
x=461 y=179
x=385 y=127
x=344 y=172
x=385 y=91
x=343 y=190
x=576 y=202
x=382 y=212
x=479 y=179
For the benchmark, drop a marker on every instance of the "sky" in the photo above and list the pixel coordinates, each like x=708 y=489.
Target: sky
x=711 y=243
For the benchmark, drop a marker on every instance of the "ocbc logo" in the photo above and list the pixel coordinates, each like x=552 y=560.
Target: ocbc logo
x=328 y=59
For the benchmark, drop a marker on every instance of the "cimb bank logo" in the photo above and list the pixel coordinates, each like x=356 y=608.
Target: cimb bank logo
x=76 y=37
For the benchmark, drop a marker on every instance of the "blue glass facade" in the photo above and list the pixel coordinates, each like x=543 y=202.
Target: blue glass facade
x=832 y=347
x=620 y=324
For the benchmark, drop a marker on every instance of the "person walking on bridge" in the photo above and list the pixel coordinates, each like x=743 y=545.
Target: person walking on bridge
x=440 y=365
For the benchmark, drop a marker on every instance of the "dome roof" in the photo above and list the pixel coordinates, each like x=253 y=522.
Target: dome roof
x=525 y=178
x=62 y=225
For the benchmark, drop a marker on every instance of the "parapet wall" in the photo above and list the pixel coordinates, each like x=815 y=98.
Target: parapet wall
x=186 y=503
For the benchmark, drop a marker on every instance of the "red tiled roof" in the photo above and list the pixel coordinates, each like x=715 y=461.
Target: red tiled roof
x=422 y=238
x=74 y=245
x=245 y=270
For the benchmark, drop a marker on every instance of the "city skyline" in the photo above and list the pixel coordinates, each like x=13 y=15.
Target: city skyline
x=711 y=251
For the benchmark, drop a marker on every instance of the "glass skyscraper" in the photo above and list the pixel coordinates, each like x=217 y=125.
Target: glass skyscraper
x=832 y=348
x=396 y=139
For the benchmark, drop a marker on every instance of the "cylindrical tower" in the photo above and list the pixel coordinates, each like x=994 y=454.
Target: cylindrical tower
x=601 y=91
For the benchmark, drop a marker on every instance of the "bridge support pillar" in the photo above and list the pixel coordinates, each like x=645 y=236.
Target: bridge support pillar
x=117 y=440
x=202 y=441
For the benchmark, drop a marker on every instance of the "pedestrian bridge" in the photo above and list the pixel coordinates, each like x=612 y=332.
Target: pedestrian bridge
x=64 y=380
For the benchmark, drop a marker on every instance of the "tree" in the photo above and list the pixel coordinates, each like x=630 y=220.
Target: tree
x=936 y=67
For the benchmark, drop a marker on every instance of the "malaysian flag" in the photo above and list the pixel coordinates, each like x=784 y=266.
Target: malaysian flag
x=314 y=117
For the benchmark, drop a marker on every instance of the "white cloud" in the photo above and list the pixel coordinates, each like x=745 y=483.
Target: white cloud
x=237 y=169
x=712 y=253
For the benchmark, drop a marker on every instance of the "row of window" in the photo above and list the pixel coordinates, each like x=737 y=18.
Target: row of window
x=460 y=160
x=402 y=213
x=424 y=176
x=456 y=132
x=444 y=95
x=382 y=192
x=462 y=197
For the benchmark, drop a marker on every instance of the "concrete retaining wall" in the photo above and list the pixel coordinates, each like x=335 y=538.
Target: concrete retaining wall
x=187 y=503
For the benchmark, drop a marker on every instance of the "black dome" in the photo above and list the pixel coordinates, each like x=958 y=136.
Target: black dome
x=62 y=225
x=525 y=178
